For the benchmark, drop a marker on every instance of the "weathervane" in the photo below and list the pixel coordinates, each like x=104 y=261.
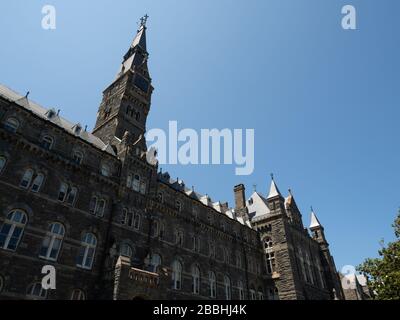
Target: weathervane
x=143 y=20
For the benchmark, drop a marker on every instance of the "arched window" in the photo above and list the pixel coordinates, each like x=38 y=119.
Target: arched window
x=3 y=162
x=52 y=242
x=77 y=157
x=101 y=204
x=179 y=237
x=87 y=251
x=126 y=250
x=241 y=290
x=93 y=205
x=154 y=262
x=47 y=142
x=213 y=284
x=269 y=255
x=178 y=205
x=37 y=183
x=105 y=170
x=78 y=294
x=260 y=294
x=62 y=193
x=26 y=179
x=136 y=221
x=211 y=249
x=155 y=228
x=253 y=295
x=136 y=183
x=195 y=280
x=36 y=291
x=177 y=275
x=226 y=255
x=11 y=125
x=72 y=195
x=227 y=286
x=12 y=230
x=124 y=216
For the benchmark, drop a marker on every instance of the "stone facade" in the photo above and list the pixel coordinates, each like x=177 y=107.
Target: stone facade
x=114 y=227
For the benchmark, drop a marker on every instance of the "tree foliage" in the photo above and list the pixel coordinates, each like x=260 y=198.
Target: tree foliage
x=383 y=273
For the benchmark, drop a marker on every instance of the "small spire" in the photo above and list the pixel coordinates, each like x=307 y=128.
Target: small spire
x=86 y=128
x=58 y=112
x=314 y=220
x=273 y=190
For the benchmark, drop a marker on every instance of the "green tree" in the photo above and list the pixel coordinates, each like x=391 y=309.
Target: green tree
x=383 y=273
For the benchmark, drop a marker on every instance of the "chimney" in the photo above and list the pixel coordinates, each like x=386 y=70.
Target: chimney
x=240 y=201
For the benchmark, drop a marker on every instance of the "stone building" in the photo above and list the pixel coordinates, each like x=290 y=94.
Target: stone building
x=97 y=208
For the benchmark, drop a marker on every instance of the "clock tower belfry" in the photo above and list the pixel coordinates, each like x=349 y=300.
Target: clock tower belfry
x=126 y=102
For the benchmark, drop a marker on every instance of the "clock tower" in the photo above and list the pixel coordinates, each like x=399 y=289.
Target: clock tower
x=126 y=102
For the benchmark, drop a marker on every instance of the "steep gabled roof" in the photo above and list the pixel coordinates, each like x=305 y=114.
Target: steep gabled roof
x=43 y=113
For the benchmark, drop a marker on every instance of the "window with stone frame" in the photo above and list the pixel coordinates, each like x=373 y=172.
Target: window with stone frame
x=195 y=279
x=35 y=291
x=11 y=125
x=241 y=290
x=47 y=142
x=52 y=242
x=87 y=251
x=136 y=221
x=78 y=294
x=228 y=288
x=177 y=275
x=67 y=193
x=124 y=216
x=12 y=229
x=211 y=249
x=37 y=182
x=179 y=237
x=212 y=284
x=77 y=157
x=26 y=179
x=269 y=255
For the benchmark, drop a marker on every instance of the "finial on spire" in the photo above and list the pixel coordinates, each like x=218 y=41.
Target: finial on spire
x=143 y=20
x=272 y=176
x=255 y=187
x=312 y=209
x=27 y=94
x=290 y=191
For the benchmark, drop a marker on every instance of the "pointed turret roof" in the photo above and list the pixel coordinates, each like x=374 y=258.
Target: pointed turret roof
x=314 y=220
x=273 y=190
x=140 y=39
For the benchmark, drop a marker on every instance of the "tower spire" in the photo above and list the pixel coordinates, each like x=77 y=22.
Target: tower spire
x=314 y=220
x=273 y=190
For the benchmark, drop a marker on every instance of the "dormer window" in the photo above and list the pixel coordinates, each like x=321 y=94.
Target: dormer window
x=47 y=142
x=77 y=129
x=50 y=114
x=178 y=205
x=11 y=125
x=77 y=157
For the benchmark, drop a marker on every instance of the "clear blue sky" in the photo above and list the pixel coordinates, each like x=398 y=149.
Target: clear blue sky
x=324 y=102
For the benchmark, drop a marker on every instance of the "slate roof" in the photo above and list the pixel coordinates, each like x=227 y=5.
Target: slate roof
x=52 y=115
